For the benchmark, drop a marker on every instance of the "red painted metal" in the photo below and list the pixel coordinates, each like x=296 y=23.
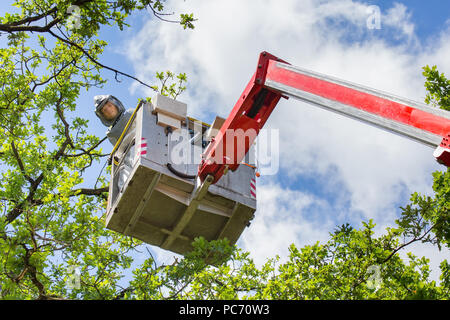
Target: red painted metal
x=257 y=102
x=361 y=100
x=442 y=153
x=248 y=116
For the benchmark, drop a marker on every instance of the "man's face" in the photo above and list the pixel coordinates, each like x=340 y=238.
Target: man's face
x=109 y=111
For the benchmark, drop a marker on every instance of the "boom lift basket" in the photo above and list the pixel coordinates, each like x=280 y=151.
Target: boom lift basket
x=157 y=204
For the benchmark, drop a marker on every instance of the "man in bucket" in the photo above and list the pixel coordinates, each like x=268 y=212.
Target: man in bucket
x=114 y=116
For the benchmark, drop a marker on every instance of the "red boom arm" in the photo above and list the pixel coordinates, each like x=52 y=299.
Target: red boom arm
x=275 y=78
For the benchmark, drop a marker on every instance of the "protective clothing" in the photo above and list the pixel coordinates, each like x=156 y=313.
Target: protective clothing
x=116 y=127
x=115 y=131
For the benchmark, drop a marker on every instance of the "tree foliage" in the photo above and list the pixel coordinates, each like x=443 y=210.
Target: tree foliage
x=438 y=87
x=53 y=242
x=352 y=264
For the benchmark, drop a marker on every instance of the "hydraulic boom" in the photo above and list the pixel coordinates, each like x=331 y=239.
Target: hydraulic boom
x=275 y=79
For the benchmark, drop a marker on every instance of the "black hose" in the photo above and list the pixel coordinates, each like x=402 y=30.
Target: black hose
x=180 y=174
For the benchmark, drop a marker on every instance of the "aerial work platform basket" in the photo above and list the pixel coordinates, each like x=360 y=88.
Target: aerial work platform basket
x=162 y=202
x=168 y=203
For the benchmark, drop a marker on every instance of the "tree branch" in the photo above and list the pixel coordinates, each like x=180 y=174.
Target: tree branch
x=28 y=20
x=89 y=56
x=20 y=163
x=60 y=113
x=84 y=152
x=23 y=25
x=17 y=210
x=408 y=243
x=10 y=28
x=88 y=192
x=19 y=26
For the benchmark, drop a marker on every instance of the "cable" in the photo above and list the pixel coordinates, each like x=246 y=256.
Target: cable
x=98 y=177
x=180 y=174
x=169 y=165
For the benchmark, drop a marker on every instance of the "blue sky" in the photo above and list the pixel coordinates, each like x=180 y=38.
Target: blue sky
x=363 y=173
x=429 y=17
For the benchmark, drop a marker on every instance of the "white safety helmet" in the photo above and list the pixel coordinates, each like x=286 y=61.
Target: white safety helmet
x=100 y=101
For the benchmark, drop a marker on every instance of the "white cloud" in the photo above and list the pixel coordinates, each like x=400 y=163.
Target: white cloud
x=399 y=17
x=372 y=171
x=282 y=218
